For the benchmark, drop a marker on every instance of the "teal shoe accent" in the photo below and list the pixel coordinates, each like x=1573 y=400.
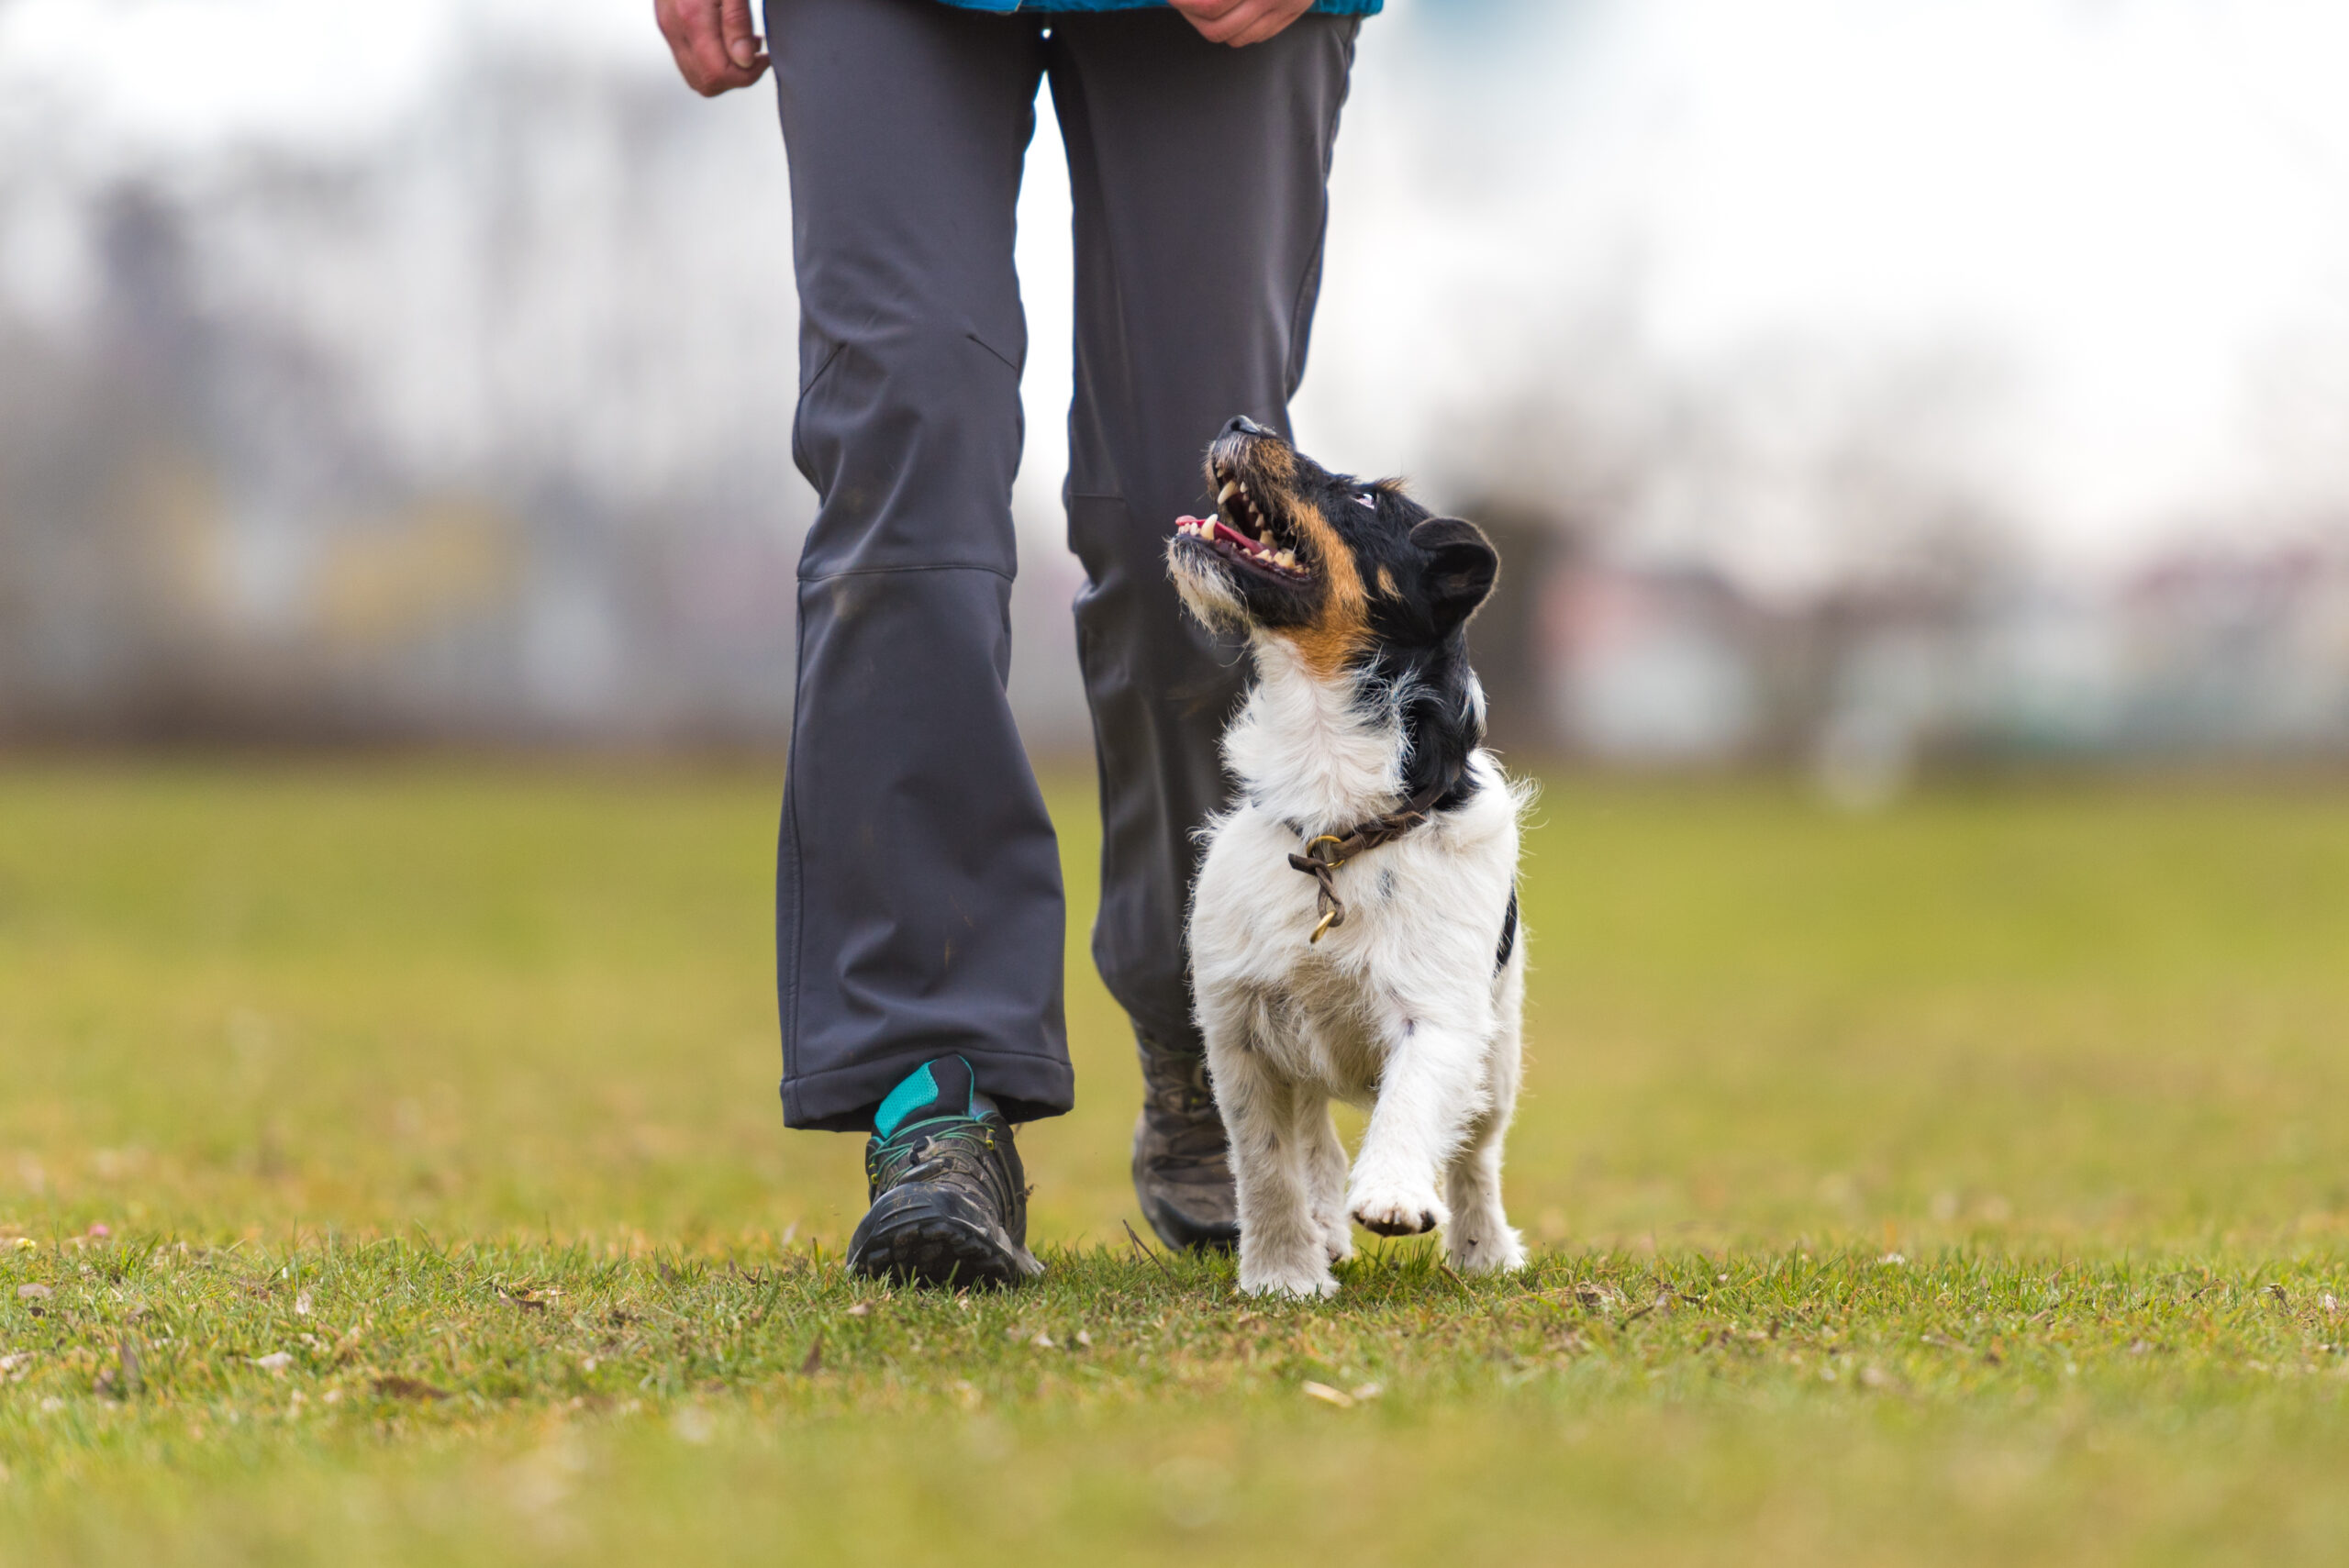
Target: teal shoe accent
x=937 y=1089
x=918 y=1089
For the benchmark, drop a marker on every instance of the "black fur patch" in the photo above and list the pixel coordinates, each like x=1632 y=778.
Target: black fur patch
x=1508 y=933
x=1434 y=573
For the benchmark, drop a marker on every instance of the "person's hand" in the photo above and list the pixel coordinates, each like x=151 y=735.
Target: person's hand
x=717 y=47
x=1241 y=22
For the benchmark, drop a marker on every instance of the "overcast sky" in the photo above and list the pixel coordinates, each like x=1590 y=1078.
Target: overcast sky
x=2131 y=216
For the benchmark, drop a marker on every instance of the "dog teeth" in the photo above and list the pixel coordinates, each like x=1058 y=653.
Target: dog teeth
x=1286 y=557
x=1231 y=488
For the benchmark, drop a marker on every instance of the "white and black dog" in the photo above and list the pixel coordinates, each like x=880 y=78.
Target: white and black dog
x=1354 y=929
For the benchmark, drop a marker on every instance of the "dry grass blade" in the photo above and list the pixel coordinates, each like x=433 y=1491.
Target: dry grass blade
x=1143 y=1248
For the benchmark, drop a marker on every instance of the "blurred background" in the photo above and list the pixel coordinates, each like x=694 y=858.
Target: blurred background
x=1849 y=386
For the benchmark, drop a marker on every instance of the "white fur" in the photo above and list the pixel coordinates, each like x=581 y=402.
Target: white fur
x=1399 y=1008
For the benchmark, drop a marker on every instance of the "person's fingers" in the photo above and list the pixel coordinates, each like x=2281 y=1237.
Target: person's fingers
x=1211 y=17
x=1225 y=25
x=1275 y=18
x=741 y=34
x=696 y=44
x=711 y=72
x=690 y=27
x=695 y=30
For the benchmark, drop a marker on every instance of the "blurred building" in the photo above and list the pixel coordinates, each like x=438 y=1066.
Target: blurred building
x=428 y=435
x=2195 y=656
x=474 y=424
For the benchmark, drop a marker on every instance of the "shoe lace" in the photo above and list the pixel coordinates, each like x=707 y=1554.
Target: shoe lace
x=930 y=1149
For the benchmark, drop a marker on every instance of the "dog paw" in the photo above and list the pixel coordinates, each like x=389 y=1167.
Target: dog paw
x=1493 y=1250
x=1302 y=1283
x=1386 y=1214
x=1336 y=1229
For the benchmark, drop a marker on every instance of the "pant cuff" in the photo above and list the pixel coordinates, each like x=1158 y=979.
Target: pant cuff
x=1026 y=1088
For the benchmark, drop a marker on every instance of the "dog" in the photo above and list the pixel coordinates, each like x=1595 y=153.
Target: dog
x=1353 y=929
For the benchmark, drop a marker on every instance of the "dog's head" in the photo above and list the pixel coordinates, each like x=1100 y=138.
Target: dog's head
x=1339 y=566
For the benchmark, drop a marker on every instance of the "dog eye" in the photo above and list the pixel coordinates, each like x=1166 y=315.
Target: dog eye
x=1367 y=499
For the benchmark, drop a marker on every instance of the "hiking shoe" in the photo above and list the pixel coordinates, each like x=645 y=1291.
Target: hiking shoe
x=949 y=1200
x=1182 y=1158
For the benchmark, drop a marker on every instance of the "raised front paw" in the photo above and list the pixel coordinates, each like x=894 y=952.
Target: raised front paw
x=1390 y=1211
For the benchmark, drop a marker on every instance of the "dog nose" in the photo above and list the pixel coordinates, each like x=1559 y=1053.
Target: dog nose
x=1243 y=425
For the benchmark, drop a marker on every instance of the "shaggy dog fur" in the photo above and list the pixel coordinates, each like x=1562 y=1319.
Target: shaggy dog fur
x=1354 y=603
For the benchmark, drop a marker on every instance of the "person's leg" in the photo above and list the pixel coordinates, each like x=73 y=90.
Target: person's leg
x=1199 y=174
x=918 y=910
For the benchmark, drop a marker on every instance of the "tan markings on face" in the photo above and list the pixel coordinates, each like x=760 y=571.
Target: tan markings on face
x=1341 y=627
x=1387 y=584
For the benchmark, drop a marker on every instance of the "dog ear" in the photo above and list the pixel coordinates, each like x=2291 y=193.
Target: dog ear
x=1462 y=565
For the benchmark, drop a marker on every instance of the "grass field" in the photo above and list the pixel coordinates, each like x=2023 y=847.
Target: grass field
x=390 y=1173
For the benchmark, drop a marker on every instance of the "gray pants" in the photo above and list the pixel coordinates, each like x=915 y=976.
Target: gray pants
x=919 y=907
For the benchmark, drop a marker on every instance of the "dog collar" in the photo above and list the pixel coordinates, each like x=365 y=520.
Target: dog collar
x=1325 y=852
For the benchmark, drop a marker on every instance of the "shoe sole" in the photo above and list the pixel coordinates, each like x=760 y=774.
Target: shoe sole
x=1184 y=1236
x=928 y=1236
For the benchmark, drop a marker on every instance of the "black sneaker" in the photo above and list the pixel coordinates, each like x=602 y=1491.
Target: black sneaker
x=949 y=1201
x=1182 y=1158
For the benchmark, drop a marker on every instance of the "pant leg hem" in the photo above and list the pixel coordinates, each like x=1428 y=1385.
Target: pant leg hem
x=1025 y=1087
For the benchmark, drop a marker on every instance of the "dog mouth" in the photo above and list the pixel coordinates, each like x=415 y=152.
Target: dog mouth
x=1246 y=532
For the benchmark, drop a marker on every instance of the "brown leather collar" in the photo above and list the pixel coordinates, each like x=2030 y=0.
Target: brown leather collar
x=1324 y=854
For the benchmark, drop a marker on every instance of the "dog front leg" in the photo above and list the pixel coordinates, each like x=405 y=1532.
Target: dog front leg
x=1325 y=1174
x=1281 y=1247
x=1429 y=1091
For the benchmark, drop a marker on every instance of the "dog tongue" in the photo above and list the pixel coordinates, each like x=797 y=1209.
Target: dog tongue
x=1222 y=530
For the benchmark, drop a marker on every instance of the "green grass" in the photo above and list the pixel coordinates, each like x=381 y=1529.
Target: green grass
x=1964 y=1182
